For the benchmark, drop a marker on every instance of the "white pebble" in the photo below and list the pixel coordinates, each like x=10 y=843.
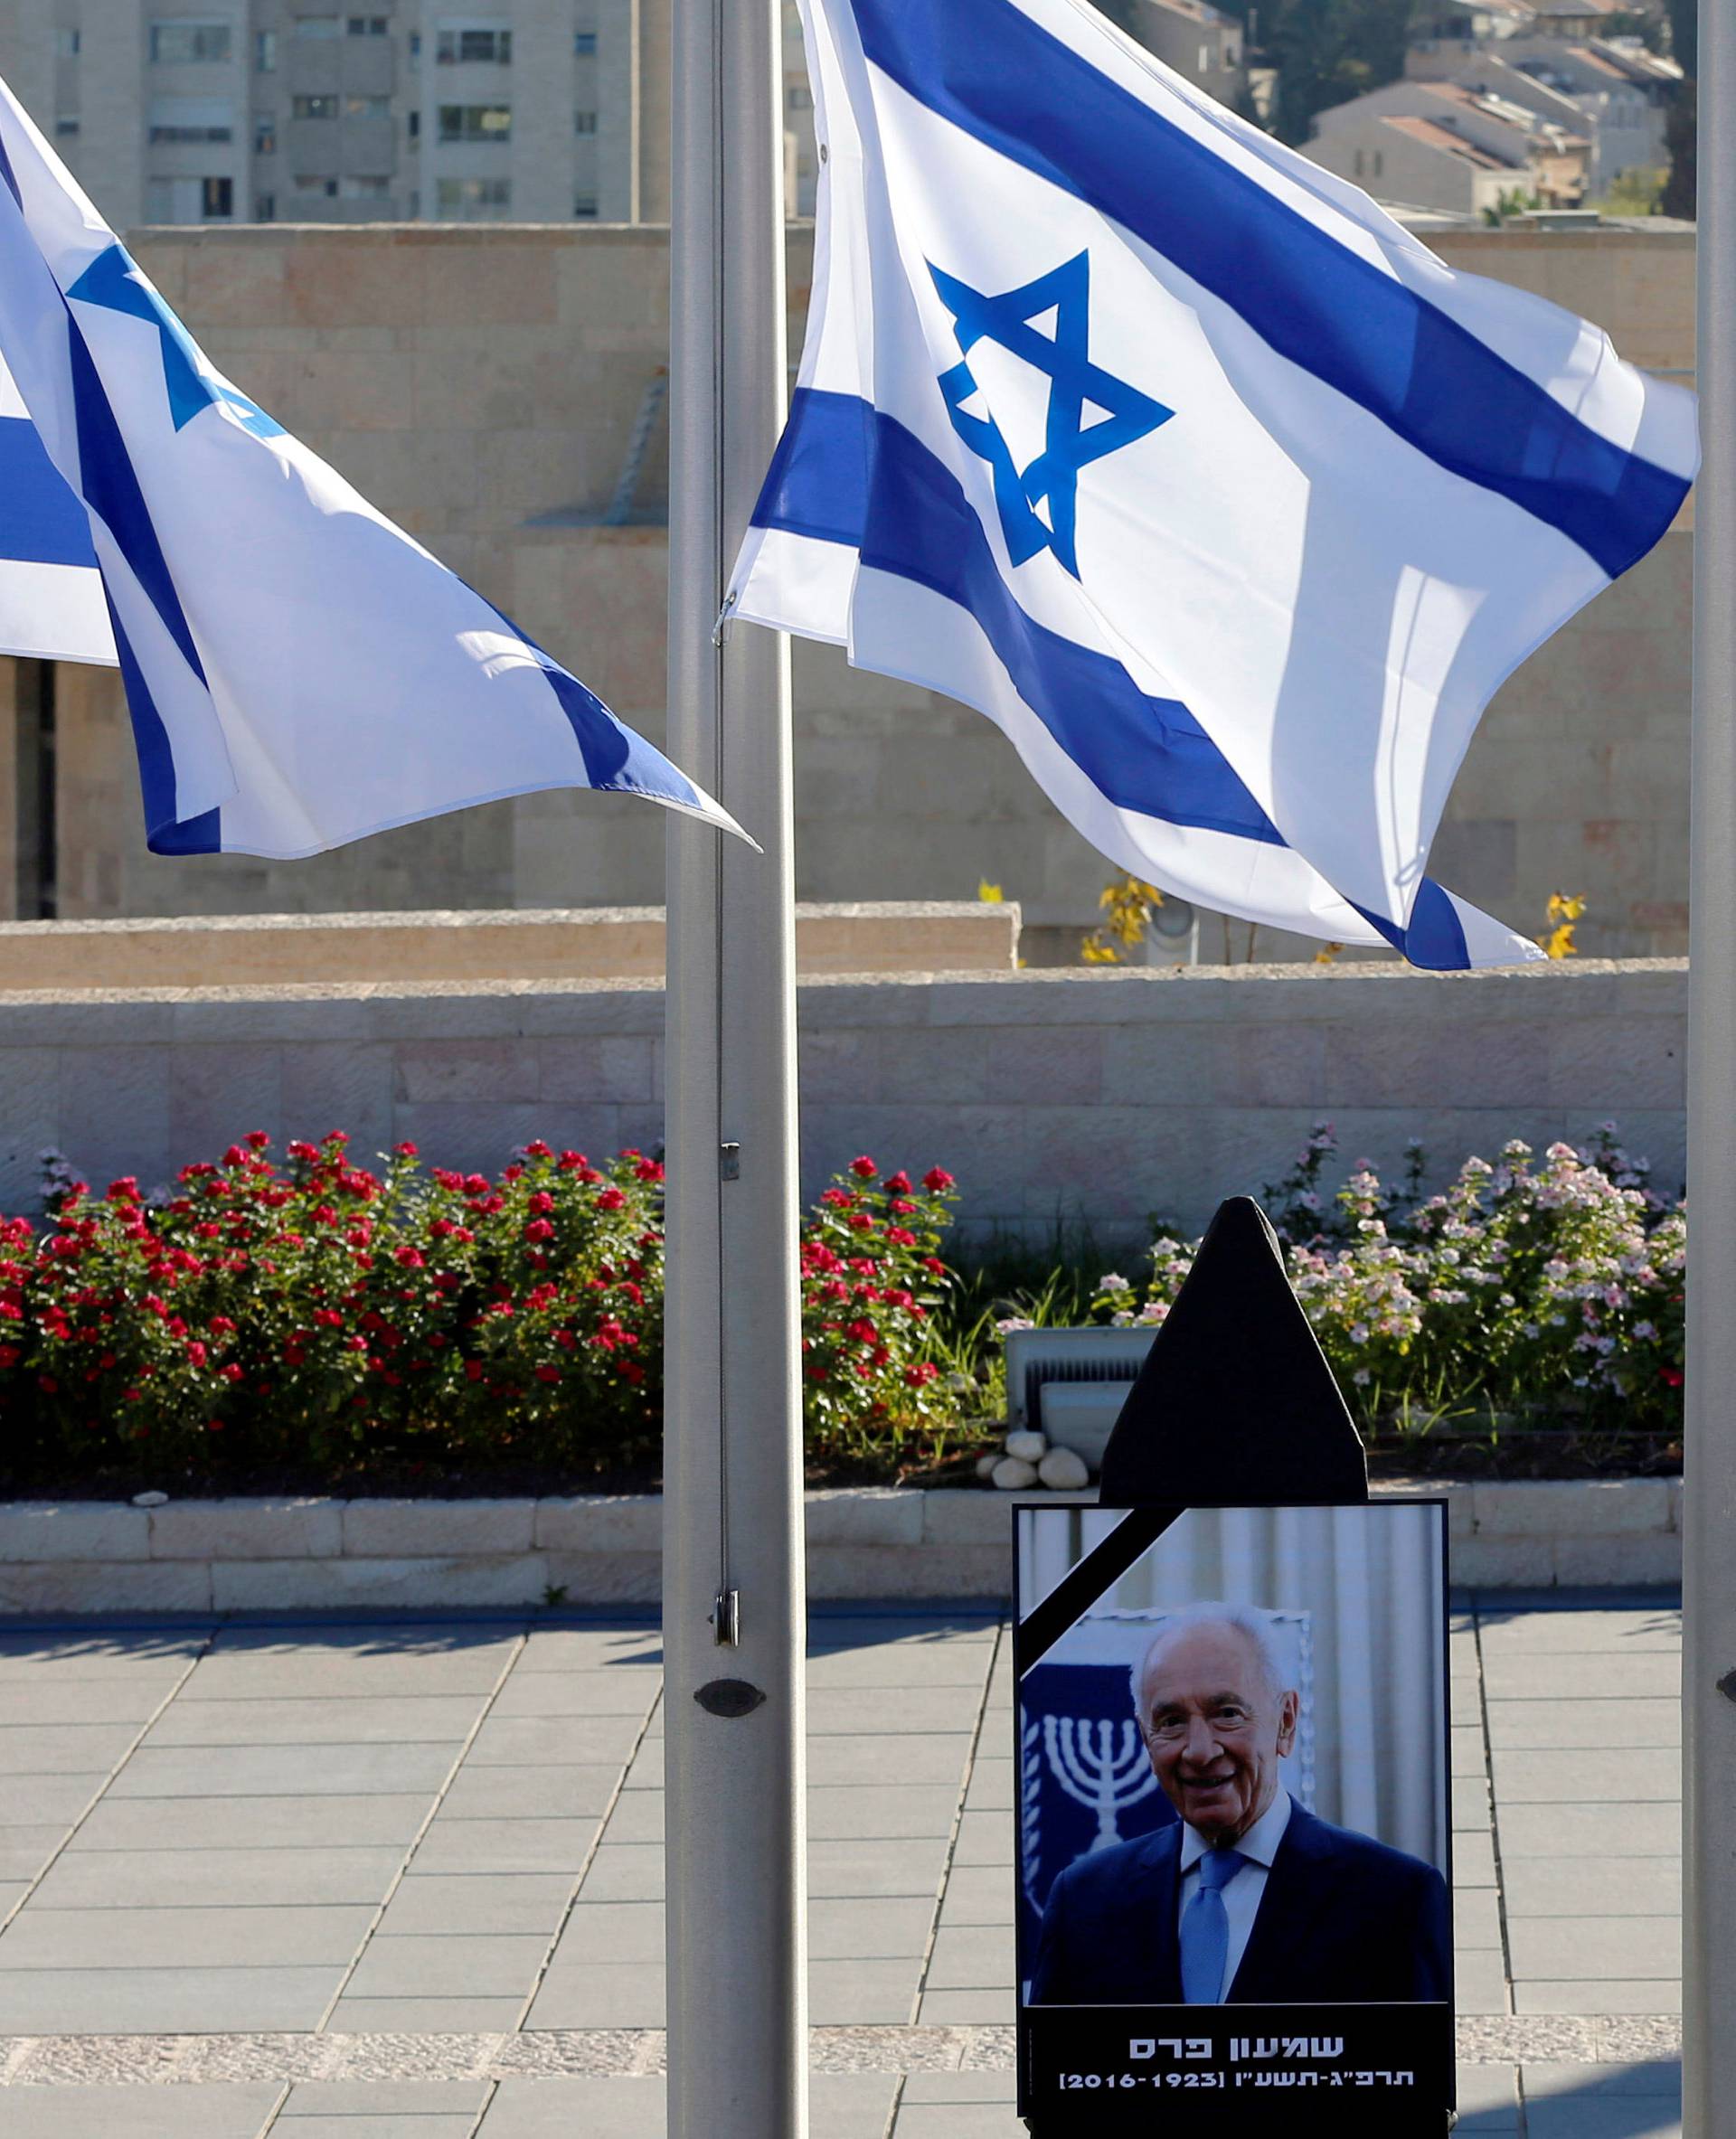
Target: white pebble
x=1027 y=1445
x=149 y=1500
x=1012 y=1473
x=985 y=1466
x=1063 y=1470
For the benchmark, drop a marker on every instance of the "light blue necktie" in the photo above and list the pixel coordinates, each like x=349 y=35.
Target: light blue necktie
x=1205 y=1929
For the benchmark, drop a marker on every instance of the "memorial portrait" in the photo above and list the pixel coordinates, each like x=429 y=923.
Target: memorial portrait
x=1232 y=1772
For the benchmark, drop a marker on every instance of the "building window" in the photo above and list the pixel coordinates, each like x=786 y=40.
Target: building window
x=367 y=187
x=265 y=51
x=367 y=107
x=66 y=128
x=183 y=119
x=415 y=48
x=584 y=122
x=265 y=134
x=800 y=99
x=265 y=207
x=67 y=43
x=316 y=25
x=473 y=200
x=1357 y=165
x=325 y=186
x=413 y=126
x=1377 y=162
x=322 y=107
x=584 y=207
x=367 y=25
x=217 y=199
x=475 y=122
x=478 y=45
x=1206 y=58
x=189 y=44
x=584 y=42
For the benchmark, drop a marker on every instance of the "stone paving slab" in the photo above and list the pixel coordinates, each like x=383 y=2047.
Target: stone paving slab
x=214 y=2112
x=345 y=1882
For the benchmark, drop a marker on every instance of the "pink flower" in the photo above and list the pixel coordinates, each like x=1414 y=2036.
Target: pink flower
x=935 y=1179
x=611 y=1198
x=863 y=1168
x=539 y=1229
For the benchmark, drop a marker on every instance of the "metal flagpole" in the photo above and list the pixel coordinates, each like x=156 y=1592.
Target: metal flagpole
x=1709 y=1506
x=733 y=1594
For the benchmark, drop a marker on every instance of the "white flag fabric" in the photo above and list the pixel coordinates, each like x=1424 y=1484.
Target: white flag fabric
x=300 y=672
x=1227 y=499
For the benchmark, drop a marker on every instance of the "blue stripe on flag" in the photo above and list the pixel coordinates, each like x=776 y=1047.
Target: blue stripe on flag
x=844 y=472
x=202 y=835
x=1435 y=939
x=111 y=488
x=991 y=70
x=618 y=760
x=150 y=739
x=41 y=521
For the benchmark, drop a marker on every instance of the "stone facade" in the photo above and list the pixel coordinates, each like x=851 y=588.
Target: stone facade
x=1090 y=1097
x=481 y=387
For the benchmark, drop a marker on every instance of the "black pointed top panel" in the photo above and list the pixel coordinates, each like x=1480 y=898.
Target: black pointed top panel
x=1235 y=1406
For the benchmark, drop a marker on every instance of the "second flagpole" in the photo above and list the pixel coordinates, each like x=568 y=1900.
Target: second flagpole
x=734 y=1592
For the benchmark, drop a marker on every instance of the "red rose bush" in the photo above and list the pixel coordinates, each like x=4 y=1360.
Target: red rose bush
x=313 y=1312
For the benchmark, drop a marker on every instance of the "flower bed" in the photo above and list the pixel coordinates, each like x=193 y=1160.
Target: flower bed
x=319 y=1318
x=312 y=1323
x=1545 y=1292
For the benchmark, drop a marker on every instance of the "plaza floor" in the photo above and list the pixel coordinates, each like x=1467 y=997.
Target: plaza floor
x=390 y=1881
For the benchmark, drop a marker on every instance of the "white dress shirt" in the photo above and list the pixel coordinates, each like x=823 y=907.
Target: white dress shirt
x=1242 y=1897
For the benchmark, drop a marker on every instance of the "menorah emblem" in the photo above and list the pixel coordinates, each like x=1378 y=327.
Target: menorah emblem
x=1101 y=1766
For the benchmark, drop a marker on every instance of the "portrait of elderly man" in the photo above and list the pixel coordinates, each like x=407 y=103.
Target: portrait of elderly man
x=1248 y=1898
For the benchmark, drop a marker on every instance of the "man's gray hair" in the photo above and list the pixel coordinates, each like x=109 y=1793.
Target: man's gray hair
x=1255 y=1626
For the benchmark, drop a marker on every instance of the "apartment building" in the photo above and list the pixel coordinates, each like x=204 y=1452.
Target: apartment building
x=190 y=111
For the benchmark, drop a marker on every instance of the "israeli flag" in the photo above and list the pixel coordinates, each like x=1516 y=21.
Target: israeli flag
x=298 y=671
x=1216 y=489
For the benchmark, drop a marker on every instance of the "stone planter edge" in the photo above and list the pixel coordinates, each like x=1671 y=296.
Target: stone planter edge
x=247 y=1555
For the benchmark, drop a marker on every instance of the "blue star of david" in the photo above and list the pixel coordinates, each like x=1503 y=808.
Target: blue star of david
x=113 y=280
x=1052 y=479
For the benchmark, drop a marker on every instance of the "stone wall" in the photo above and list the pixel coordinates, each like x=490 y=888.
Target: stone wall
x=480 y=385
x=1100 y=1097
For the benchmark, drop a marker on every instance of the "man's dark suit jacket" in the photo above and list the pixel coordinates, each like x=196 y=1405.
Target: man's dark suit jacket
x=1343 y=1918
